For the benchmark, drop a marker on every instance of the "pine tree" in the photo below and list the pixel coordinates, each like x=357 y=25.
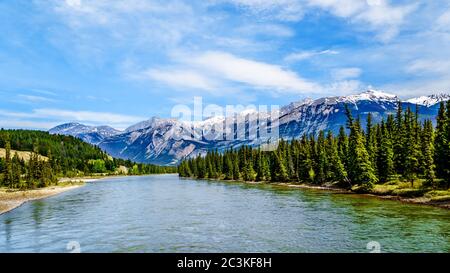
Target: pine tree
x=360 y=168
x=248 y=174
x=236 y=170
x=343 y=146
x=304 y=161
x=370 y=139
x=399 y=141
x=385 y=154
x=265 y=169
x=321 y=163
x=279 y=172
x=202 y=170
x=337 y=168
x=427 y=153
x=8 y=171
x=16 y=172
x=262 y=167
x=447 y=146
x=411 y=148
x=228 y=167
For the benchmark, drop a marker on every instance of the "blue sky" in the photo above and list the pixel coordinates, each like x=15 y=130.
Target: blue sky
x=119 y=62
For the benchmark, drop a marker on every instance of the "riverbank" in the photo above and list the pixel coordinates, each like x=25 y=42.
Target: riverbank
x=11 y=199
x=390 y=192
x=398 y=191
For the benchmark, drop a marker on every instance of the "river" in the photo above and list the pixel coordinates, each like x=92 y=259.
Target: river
x=163 y=213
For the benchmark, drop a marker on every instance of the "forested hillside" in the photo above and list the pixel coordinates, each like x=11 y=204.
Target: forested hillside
x=400 y=148
x=65 y=156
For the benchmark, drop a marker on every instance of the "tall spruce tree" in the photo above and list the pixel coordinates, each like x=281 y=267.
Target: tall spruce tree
x=236 y=171
x=385 y=154
x=321 y=164
x=399 y=141
x=370 y=139
x=428 y=166
x=8 y=171
x=447 y=146
x=228 y=167
x=304 y=161
x=360 y=169
x=279 y=172
x=336 y=167
x=343 y=146
x=411 y=148
x=441 y=142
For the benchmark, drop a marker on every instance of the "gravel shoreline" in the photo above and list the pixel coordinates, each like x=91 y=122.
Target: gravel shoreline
x=10 y=200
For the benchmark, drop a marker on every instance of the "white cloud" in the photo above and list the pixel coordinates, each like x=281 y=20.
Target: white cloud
x=379 y=15
x=91 y=30
x=275 y=30
x=346 y=73
x=35 y=99
x=303 y=55
x=73 y=3
x=429 y=66
x=340 y=8
x=343 y=87
x=285 y=10
x=181 y=78
x=258 y=75
x=417 y=88
x=216 y=71
x=443 y=22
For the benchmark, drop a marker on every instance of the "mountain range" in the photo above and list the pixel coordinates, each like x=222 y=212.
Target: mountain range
x=167 y=141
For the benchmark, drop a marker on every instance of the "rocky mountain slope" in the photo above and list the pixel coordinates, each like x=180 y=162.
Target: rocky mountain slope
x=91 y=134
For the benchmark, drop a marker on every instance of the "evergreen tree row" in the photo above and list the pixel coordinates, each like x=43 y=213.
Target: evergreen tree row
x=400 y=147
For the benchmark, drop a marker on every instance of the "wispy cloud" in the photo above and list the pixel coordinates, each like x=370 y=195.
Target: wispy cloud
x=266 y=29
x=181 y=78
x=257 y=74
x=346 y=73
x=427 y=66
x=379 y=15
x=44 y=92
x=284 y=10
x=35 y=99
x=304 y=55
x=216 y=71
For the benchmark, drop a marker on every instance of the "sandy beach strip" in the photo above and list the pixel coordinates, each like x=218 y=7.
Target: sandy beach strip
x=11 y=199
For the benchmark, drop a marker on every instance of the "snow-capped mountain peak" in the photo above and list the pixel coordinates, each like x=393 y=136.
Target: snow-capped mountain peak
x=370 y=95
x=430 y=100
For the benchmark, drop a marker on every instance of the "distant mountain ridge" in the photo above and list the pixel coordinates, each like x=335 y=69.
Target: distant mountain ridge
x=164 y=141
x=91 y=134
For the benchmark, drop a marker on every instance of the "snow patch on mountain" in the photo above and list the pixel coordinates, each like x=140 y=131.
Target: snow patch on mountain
x=430 y=100
x=369 y=95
